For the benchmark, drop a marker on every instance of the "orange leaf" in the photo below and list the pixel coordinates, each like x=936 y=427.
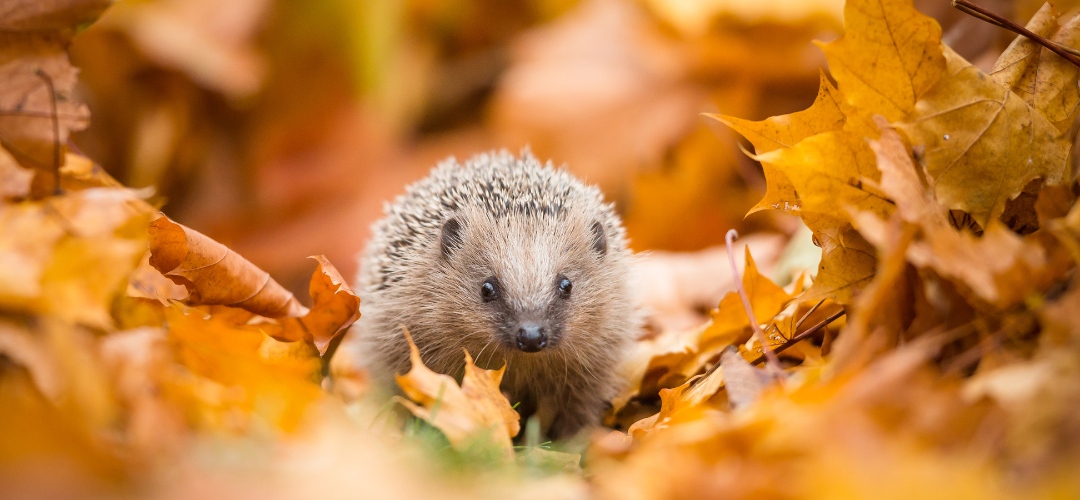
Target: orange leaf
x=335 y=308
x=216 y=275
x=475 y=410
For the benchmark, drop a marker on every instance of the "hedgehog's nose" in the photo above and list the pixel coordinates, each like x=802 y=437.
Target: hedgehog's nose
x=531 y=337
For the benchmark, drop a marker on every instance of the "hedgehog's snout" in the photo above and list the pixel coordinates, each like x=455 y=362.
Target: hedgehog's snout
x=531 y=337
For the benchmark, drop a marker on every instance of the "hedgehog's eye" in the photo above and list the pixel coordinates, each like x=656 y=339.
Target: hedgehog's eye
x=565 y=286
x=489 y=290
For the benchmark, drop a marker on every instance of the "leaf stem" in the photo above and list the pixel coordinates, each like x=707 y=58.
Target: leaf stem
x=1067 y=53
x=774 y=362
x=793 y=340
x=55 y=126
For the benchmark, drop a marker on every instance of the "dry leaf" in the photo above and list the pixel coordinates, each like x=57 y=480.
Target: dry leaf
x=743 y=382
x=27 y=240
x=672 y=358
x=784 y=131
x=983 y=143
x=1044 y=80
x=214 y=274
x=334 y=308
x=730 y=324
x=889 y=56
x=42 y=15
x=71 y=255
x=239 y=377
x=900 y=180
x=830 y=172
x=682 y=403
x=476 y=410
x=848 y=264
x=39 y=84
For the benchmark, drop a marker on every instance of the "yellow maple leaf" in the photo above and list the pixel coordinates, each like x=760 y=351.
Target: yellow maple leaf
x=982 y=143
x=829 y=171
x=783 y=131
x=70 y=255
x=474 y=410
x=890 y=55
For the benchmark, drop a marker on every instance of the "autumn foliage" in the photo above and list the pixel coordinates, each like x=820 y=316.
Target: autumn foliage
x=933 y=352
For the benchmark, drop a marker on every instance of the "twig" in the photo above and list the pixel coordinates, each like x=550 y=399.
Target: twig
x=53 y=114
x=1067 y=53
x=808 y=313
x=774 y=362
x=793 y=340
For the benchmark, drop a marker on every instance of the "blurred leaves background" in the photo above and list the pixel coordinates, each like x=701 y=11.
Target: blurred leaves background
x=280 y=127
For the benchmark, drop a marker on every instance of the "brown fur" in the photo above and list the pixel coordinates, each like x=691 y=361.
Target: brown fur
x=525 y=224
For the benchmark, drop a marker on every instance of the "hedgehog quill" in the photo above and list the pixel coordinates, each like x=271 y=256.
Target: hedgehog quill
x=517 y=262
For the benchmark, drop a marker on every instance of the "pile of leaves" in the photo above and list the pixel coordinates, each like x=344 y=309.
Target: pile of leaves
x=934 y=353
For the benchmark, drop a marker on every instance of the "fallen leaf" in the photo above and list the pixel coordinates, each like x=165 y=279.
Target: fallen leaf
x=831 y=171
x=71 y=255
x=983 y=143
x=58 y=15
x=673 y=357
x=335 y=307
x=682 y=403
x=678 y=289
x=148 y=283
x=1043 y=79
x=730 y=323
x=214 y=274
x=900 y=180
x=84 y=276
x=36 y=429
x=889 y=56
x=27 y=350
x=743 y=382
x=784 y=131
x=235 y=376
x=848 y=264
x=476 y=410
x=27 y=241
x=39 y=82
x=799 y=316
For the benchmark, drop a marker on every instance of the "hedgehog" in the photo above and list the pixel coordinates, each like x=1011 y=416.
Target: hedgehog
x=517 y=262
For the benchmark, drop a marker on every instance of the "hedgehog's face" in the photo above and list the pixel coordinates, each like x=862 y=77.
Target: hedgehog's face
x=531 y=283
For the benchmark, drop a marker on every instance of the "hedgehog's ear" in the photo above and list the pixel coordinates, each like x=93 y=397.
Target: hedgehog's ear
x=599 y=238
x=450 y=236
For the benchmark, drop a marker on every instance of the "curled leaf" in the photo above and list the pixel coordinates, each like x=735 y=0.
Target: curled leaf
x=215 y=275
x=335 y=308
